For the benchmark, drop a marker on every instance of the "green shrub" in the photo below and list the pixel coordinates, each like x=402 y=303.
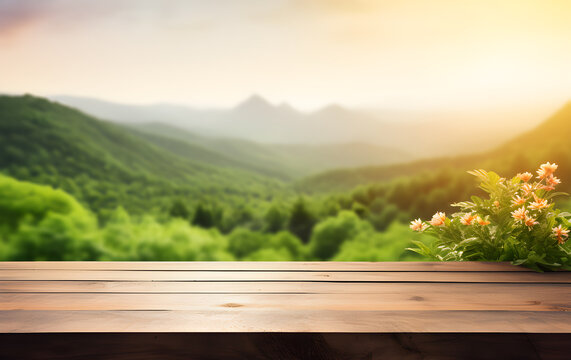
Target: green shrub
x=517 y=222
x=329 y=234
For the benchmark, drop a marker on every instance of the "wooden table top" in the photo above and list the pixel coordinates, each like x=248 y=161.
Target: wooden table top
x=389 y=297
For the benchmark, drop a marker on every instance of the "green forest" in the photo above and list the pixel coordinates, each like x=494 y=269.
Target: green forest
x=73 y=187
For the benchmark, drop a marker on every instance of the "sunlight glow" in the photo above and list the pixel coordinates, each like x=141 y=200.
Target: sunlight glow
x=395 y=54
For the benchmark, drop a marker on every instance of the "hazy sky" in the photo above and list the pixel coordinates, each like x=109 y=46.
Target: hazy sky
x=386 y=53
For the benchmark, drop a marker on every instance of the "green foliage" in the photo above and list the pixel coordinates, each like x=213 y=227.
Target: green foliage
x=301 y=220
x=203 y=216
x=275 y=219
x=385 y=246
x=286 y=241
x=249 y=245
x=514 y=223
x=329 y=234
x=59 y=228
x=360 y=210
x=147 y=239
x=38 y=222
x=179 y=210
x=55 y=237
x=243 y=242
x=268 y=254
x=22 y=200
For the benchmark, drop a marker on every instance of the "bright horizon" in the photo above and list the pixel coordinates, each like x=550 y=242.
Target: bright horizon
x=412 y=55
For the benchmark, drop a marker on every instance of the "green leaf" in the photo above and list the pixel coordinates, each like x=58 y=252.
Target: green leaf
x=552 y=195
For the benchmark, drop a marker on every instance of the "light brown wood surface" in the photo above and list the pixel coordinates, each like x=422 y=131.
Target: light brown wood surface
x=295 y=276
x=261 y=266
x=320 y=297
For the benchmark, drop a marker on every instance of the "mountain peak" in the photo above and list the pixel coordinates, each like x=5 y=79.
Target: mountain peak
x=332 y=109
x=254 y=102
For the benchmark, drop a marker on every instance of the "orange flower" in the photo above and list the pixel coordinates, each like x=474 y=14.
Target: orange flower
x=527 y=189
x=467 y=219
x=548 y=187
x=481 y=221
x=552 y=180
x=538 y=204
x=546 y=170
x=529 y=221
x=496 y=203
x=438 y=219
x=417 y=225
x=518 y=200
x=519 y=214
x=525 y=177
x=560 y=233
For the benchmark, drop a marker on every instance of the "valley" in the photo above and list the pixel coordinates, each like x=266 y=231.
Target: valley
x=154 y=191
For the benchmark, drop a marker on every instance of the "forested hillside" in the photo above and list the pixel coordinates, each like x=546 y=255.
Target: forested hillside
x=419 y=189
x=77 y=188
x=105 y=166
x=549 y=141
x=284 y=161
x=40 y=223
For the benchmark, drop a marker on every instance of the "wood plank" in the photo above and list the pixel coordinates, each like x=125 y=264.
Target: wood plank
x=359 y=298
x=222 y=320
x=181 y=287
x=414 y=300
x=363 y=276
x=328 y=266
x=271 y=346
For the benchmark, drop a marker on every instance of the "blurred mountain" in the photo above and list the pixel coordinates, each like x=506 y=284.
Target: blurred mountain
x=552 y=135
x=129 y=114
x=420 y=134
x=288 y=161
x=549 y=141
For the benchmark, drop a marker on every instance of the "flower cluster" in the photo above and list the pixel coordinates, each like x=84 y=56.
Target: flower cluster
x=518 y=222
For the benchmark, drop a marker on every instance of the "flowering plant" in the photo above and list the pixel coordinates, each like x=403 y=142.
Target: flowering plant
x=518 y=223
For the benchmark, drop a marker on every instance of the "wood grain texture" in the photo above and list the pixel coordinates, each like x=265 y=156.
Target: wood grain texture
x=262 y=266
x=229 y=319
x=251 y=297
x=316 y=276
x=288 y=287
x=417 y=300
